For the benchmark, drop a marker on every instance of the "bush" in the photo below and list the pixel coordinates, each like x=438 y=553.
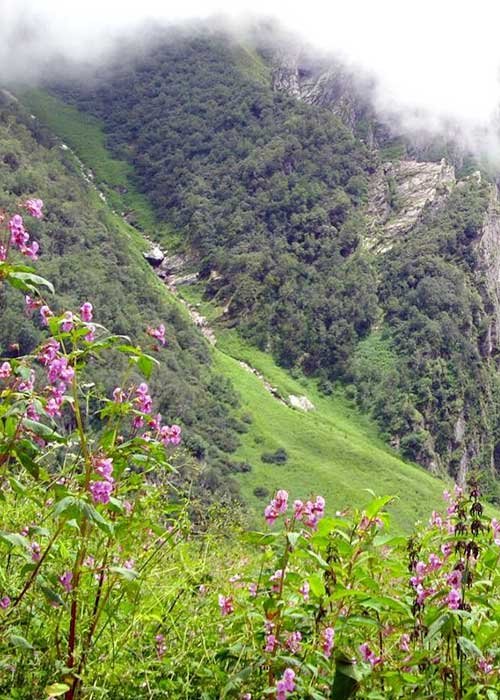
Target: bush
x=278 y=457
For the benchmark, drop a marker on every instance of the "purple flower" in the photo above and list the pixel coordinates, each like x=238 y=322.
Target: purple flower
x=226 y=605
x=368 y=655
x=65 y=581
x=86 y=310
x=161 y=647
x=453 y=599
x=271 y=643
x=328 y=637
x=158 y=333
x=104 y=467
x=404 y=642
x=286 y=685
x=34 y=207
x=5 y=370
x=304 y=591
x=293 y=642
x=454 y=579
x=101 y=491
x=45 y=313
x=277 y=507
x=4 y=602
x=68 y=322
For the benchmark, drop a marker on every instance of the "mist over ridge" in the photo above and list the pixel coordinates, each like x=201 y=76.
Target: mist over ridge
x=435 y=65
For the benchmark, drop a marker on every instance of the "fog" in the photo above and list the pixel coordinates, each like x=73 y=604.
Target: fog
x=435 y=62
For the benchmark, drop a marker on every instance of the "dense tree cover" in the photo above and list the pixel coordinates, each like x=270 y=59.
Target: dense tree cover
x=89 y=254
x=425 y=374
x=269 y=192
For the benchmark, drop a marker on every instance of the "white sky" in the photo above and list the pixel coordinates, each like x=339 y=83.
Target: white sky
x=438 y=55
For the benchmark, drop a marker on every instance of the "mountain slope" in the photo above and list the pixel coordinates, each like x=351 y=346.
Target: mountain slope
x=274 y=200
x=332 y=449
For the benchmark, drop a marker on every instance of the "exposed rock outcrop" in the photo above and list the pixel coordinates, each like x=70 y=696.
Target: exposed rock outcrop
x=488 y=272
x=301 y=402
x=398 y=194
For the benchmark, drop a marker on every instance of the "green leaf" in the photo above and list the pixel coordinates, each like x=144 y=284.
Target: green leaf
x=317 y=585
x=19 y=642
x=129 y=574
x=57 y=689
x=43 y=431
x=27 y=281
x=145 y=364
x=376 y=506
x=469 y=648
x=14 y=539
x=72 y=507
x=347 y=678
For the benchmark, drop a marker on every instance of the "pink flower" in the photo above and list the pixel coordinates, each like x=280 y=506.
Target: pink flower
x=293 y=642
x=101 y=491
x=104 y=467
x=454 y=579
x=453 y=599
x=304 y=590
x=158 y=333
x=368 y=655
x=31 y=251
x=276 y=580
x=65 y=581
x=18 y=235
x=143 y=399
x=446 y=549
x=436 y=520
x=86 y=312
x=90 y=336
x=28 y=384
x=35 y=551
x=170 y=434
x=271 y=643
x=277 y=507
x=118 y=395
x=161 y=647
x=404 y=642
x=129 y=564
x=3 y=253
x=485 y=666
x=34 y=207
x=68 y=322
x=59 y=369
x=30 y=303
x=226 y=605
x=5 y=370
x=435 y=562
x=4 y=602
x=45 y=313
x=48 y=352
x=286 y=685
x=31 y=413
x=328 y=637
x=252 y=589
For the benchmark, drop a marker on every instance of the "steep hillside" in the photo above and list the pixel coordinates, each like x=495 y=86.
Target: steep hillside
x=332 y=448
x=325 y=242
x=92 y=254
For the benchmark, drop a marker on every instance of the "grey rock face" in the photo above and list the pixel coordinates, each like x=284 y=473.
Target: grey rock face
x=398 y=194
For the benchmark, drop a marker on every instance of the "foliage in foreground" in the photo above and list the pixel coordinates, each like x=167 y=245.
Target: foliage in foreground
x=107 y=591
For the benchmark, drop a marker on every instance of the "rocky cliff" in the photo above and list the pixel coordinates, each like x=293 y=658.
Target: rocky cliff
x=398 y=194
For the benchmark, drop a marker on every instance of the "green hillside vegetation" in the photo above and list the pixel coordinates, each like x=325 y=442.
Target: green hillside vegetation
x=334 y=449
x=93 y=255
x=269 y=192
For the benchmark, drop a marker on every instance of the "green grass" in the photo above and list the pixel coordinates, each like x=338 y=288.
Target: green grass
x=333 y=450
x=84 y=134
